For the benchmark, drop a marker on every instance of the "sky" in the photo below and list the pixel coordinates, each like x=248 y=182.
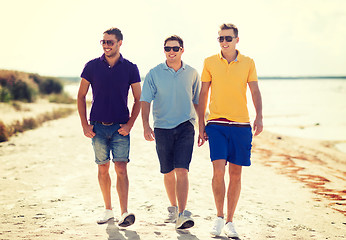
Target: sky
x=285 y=38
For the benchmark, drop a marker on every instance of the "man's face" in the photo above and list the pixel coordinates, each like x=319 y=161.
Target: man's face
x=111 y=45
x=172 y=56
x=228 y=46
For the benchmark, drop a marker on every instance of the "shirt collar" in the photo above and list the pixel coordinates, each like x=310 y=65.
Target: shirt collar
x=103 y=58
x=237 y=59
x=183 y=66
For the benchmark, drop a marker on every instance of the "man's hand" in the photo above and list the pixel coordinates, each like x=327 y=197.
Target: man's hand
x=149 y=134
x=202 y=137
x=124 y=129
x=257 y=126
x=88 y=131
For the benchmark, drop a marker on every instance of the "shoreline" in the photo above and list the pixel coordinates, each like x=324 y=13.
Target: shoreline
x=318 y=164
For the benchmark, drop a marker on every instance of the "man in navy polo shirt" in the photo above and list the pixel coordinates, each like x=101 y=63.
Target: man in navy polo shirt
x=174 y=87
x=110 y=77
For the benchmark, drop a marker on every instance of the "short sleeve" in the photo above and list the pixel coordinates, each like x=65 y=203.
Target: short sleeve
x=196 y=88
x=135 y=76
x=252 y=77
x=87 y=72
x=149 y=89
x=206 y=75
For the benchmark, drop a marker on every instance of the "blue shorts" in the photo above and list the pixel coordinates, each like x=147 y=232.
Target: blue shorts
x=108 y=139
x=174 y=146
x=230 y=142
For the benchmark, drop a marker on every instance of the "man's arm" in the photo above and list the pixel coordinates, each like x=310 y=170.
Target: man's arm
x=81 y=104
x=196 y=91
x=257 y=101
x=202 y=106
x=136 y=92
x=148 y=132
x=196 y=108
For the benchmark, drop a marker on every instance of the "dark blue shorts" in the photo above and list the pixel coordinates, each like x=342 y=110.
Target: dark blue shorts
x=232 y=143
x=174 y=146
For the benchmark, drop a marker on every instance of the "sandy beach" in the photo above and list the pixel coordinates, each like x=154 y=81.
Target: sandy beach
x=295 y=189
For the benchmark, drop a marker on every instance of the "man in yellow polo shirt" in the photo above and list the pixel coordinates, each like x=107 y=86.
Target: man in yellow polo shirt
x=228 y=126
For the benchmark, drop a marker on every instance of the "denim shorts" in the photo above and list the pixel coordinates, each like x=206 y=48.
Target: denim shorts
x=108 y=139
x=174 y=146
x=232 y=143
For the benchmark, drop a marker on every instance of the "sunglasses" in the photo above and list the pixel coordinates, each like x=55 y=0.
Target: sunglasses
x=175 y=49
x=227 y=38
x=108 y=42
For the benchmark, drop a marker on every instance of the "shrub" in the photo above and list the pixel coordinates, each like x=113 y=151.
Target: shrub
x=19 y=85
x=20 y=90
x=37 y=78
x=5 y=94
x=30 y=123
x=51 y=85
x=15 y=127
x=23 y=86
x=3 y=132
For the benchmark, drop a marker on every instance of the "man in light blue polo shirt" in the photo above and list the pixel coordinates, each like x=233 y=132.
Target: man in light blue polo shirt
x=174 y=88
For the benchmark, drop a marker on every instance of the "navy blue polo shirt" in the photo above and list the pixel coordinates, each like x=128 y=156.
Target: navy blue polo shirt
x=110 y=87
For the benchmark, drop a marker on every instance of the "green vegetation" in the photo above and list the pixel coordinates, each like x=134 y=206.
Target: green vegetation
x=17 y=87
x=27 y=87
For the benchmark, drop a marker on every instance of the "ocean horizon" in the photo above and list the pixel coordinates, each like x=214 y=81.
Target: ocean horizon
x=322 y=77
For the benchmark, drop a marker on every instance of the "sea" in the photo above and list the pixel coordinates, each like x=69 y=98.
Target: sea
x=311 y=108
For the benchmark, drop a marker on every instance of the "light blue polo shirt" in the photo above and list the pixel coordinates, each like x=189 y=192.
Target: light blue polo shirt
x=173 y=94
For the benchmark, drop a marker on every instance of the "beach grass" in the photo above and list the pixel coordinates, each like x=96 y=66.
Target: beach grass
x=18 y=126
x=17 y=89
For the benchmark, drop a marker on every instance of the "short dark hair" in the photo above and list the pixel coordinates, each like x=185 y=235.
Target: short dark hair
x=116 y=32
x=175 y=38
x=226 y=26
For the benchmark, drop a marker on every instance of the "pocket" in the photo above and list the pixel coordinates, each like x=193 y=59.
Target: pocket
x=94 y=124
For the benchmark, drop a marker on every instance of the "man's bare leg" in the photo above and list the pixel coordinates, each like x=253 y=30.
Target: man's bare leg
x=234 y=188
x=182 y=187
x=218 y=185
x=105 y=184
x=170 y=185
x=122 y=184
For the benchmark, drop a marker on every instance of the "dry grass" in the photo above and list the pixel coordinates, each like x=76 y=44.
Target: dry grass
x=10 y=77
x=6 y=131
x=16 y=88
x=61 y=98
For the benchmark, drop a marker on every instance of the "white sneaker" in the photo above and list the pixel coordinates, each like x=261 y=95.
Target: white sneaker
x=229 y=230
x=172 y=214
x=107 y=215
x=126 y=220
x=217 y=227
x=184 y=221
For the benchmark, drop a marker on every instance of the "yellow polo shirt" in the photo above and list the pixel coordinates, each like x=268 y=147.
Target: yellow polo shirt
x=228 y=86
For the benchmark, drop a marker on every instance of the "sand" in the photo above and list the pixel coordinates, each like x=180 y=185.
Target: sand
x=295 y=189
x=27 y=110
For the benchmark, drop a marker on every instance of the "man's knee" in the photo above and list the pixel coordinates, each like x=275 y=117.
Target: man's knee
x=121 y=168
x=219 y=168
x=103 y=169
x=181 y=172
x=235 y=172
